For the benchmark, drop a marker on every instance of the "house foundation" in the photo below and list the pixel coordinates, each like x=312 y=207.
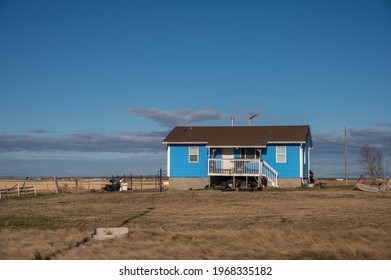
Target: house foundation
x=185 y=183
x=289 y=182
x=181 y=183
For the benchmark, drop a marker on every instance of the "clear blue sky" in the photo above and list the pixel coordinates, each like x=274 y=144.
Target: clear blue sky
x=92 y=87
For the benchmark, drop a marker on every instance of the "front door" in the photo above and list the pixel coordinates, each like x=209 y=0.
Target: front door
x=227 y=156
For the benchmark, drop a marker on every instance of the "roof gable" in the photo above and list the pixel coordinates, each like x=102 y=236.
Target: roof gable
x=238 y=136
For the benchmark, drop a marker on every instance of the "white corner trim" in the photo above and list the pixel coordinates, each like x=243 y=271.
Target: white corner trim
x=168 y=160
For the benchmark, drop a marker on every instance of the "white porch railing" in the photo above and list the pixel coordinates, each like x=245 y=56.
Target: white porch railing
x=242 y=167
x=270 y=173
x=234 y=167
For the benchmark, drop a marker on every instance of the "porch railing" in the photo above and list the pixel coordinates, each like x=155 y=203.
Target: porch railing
x=234 y=167
x=270 y=173
x=242 y=167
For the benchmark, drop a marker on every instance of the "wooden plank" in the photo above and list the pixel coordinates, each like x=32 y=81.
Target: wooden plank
x=19 y=191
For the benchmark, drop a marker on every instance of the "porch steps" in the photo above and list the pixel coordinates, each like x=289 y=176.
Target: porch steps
x=270 y=173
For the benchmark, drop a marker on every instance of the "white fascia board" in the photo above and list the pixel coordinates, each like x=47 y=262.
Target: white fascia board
x=214 y=146
x=178 y=143
x=286 y=142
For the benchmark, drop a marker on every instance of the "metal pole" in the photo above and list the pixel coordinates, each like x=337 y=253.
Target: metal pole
x=160 y=180
x=346 y=159
x=250 y=118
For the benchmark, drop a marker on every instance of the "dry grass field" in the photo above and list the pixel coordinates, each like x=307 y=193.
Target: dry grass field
x=330 y=223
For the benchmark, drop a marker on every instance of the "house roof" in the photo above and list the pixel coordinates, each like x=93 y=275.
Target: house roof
x=238 y=136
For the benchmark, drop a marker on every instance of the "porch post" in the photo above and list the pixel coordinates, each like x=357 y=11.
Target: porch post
x=309 y=162
x=260 y=174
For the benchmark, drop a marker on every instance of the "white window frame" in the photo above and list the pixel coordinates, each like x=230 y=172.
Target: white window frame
x=194 y=151
x=281 y=154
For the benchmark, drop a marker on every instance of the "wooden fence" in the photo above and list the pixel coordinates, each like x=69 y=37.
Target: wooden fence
x=18 y=191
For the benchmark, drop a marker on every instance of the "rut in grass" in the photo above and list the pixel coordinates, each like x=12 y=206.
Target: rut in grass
x=38 y=255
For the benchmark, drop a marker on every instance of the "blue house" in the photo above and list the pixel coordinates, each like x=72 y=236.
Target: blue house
x=208 y=155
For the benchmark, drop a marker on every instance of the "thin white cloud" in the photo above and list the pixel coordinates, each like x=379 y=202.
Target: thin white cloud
x=384 y=124
x=38 y=131
x=376 y=137
x=171 y=118
x=137 y=142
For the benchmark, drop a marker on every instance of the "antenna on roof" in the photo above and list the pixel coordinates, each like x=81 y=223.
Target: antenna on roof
x=250 y=118
x=232 y=121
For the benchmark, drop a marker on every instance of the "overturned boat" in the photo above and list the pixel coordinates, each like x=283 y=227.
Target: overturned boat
x=372 y=187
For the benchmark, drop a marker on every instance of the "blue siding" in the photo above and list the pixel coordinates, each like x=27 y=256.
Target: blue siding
x=236 y=153
x=218 y=153
x=288 y=169
x=180 y=165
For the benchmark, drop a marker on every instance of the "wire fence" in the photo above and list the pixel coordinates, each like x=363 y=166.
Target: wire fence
x=131 y=182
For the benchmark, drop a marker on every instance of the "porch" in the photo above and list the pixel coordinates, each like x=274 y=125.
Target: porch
x=242 y=167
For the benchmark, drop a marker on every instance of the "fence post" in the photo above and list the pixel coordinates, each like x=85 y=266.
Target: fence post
x=17 y=186
x=131 y=181
x=160 y=180
x=141 y=181
x=56 y=184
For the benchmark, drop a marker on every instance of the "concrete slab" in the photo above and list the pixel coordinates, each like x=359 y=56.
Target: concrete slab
x=110 y=233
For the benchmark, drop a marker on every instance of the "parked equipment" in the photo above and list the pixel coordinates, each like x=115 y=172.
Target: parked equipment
x=114 y=186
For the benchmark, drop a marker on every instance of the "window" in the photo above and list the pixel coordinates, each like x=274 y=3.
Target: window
x=249 y=153
x=280 y=154
x=193 y=154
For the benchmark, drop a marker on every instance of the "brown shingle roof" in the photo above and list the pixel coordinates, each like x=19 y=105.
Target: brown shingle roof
x=238 y=136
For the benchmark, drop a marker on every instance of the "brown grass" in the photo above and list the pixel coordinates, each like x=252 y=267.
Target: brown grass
x=318 y=224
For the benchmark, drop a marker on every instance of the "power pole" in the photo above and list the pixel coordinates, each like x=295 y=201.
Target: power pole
x=346 y=158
